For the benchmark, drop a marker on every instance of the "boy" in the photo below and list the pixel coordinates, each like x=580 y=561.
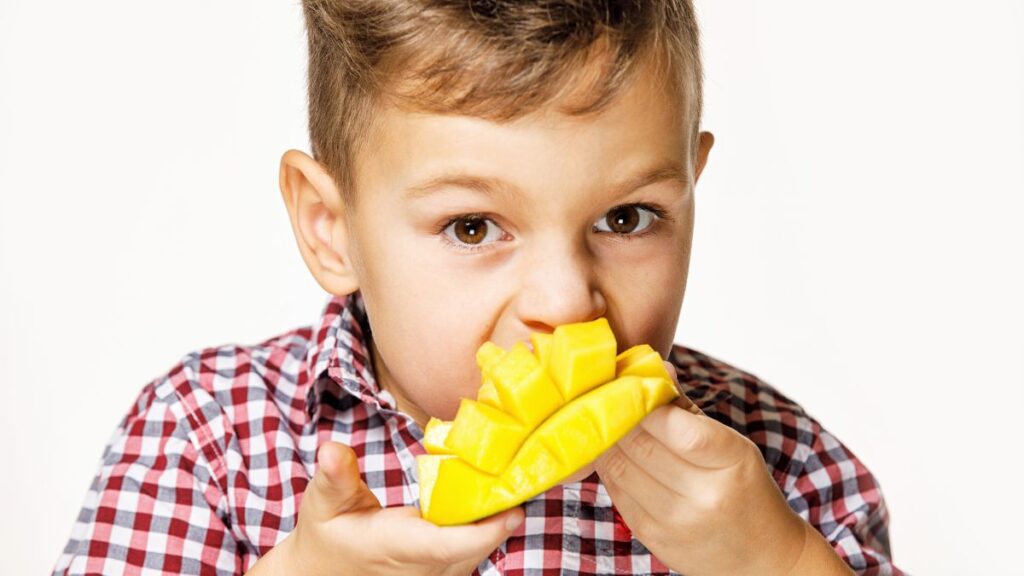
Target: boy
x=481 y=170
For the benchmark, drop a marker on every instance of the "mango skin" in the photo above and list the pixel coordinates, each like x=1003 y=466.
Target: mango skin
x=494 y=465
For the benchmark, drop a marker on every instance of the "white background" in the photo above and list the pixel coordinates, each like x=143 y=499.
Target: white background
x=859 y=235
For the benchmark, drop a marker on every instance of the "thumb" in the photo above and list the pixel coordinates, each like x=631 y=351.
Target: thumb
x=487 y=535
x=461 y=546
x=336 y=487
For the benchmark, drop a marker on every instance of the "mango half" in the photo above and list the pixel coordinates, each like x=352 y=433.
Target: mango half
x=538 y=418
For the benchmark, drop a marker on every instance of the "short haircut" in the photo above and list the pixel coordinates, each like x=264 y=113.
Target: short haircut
x=492 y=59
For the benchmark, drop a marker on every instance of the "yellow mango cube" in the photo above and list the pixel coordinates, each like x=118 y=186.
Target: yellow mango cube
x=488 y=394
x=427 y=466
x=542 y=347
x=568 y=444
x=453 y=492
x=537 y=470
x=434 y=436
x=658 y=392
x=641 y=360
x=487 y=355
x=485 y=437
x=524 y=387
x=582 y=357
x=613 y=407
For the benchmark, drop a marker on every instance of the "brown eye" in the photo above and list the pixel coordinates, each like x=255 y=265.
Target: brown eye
x=623 y=220
x=471 y=231
x=626 y=220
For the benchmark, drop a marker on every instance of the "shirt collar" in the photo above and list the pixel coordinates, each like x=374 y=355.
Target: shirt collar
x=340 y=356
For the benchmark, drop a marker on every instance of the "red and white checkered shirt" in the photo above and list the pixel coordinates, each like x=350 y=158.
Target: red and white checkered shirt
x=205 y=473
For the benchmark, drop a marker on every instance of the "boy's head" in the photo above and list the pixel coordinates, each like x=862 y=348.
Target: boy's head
x=486 y=169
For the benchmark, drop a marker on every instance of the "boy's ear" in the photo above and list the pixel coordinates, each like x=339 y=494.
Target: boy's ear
x=707 y=140
x=318 y=217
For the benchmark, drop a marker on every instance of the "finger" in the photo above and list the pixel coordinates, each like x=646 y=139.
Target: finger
x=650 y=455
x=616 y=469
x=336 y=487
x=697 y=438
x=638 y=518
x=412 y=539
x=683 y=401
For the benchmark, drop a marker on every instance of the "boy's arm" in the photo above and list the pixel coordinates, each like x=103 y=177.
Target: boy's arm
x=153 y=502
x=841 y=499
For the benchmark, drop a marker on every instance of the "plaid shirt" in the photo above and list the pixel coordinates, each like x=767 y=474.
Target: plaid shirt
x=206 y=472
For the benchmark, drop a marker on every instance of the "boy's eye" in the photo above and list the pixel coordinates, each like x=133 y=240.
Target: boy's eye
x=471 y=231
x=627 y=219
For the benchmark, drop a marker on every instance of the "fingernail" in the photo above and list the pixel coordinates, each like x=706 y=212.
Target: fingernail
x=513 y=521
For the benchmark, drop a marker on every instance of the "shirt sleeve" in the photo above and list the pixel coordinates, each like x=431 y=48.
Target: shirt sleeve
x=838 y=495
x=154 y=505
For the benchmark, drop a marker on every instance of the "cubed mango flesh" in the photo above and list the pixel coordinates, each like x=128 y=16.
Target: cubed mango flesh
x=464 y=488
x=484 y=436
x=582 y=357
x=641 y=360
x=524 y=388
x=542 y=347
x=583 y=429
x=487 y=355
x=538 y=419
x=488 y=394
x=434 y=436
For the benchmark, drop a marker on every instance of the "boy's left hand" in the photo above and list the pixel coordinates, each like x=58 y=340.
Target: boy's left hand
x=698 y=495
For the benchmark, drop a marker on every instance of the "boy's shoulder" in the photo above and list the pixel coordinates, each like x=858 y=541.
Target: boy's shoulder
x=223 y=385
x=276 y=362
x=714 y=384
x=223 y=380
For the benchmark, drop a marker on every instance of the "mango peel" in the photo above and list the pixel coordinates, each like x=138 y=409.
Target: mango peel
x=538 y=418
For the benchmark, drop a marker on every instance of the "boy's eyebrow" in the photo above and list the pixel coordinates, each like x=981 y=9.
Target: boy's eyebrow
x=490 y=186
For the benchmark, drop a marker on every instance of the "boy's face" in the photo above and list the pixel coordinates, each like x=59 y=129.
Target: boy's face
x=535 y=251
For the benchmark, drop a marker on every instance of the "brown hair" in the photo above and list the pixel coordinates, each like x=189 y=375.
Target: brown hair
x=493 y=59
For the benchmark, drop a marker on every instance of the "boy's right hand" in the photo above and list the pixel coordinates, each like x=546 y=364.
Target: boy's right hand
x=342 y=529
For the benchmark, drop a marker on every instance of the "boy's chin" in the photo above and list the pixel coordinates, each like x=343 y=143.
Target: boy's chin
x=580 y=475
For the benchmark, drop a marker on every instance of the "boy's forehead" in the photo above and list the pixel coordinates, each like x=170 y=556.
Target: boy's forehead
x=642 y=126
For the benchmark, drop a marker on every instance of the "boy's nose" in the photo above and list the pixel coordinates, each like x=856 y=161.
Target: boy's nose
x=559 y=287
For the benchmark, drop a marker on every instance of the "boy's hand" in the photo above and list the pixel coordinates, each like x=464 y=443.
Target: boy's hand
x=342 y=529
x=698 y=495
